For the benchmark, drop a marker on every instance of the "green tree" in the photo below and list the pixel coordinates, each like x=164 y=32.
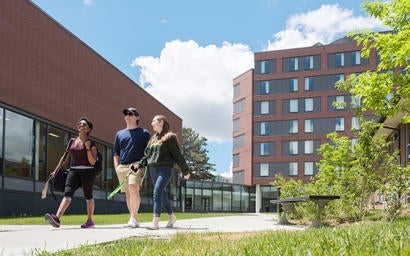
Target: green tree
x=380 y=90
x=195 y=153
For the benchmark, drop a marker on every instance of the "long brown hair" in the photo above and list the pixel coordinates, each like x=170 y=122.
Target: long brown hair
x=166 y=129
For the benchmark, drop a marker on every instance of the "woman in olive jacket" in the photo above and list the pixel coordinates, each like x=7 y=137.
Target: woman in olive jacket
x=161 y=155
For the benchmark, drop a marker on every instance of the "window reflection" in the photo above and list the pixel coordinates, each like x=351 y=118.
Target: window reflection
x=18 y=144
x=57 y=141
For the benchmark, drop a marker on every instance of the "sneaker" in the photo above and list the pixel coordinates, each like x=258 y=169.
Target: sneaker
x=171 y=221
x=52 y=219
x=132 y=223
x=88 y=224
x=154 y=226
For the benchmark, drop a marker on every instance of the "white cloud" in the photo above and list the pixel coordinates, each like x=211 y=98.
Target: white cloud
x=322 y=25
x=196 y=83
x=88 y=2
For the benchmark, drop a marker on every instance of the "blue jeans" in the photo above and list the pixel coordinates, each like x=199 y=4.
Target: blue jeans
x=161 y=176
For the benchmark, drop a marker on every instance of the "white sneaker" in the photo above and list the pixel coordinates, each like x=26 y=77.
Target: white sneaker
x=132 y=223
x=171 y=221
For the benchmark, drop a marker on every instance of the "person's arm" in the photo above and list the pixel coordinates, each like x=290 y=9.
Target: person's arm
x=91 y=152
x=177 y=155
x=116 y=160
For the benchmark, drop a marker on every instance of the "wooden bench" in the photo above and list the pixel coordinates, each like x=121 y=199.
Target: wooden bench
x=320 y=200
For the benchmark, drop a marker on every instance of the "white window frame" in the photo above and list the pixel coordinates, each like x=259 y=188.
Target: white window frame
x=308 y=104
x=340 y=99
x=293 y=126
x=355 y=123
x=308 y=125
x=294 y=85
x=264 y=169
x=264 y=107
x=342 y=59
x=293 y=147
x=308 y=170
x=308 y=86
x=264 y=128
x=264 y=87
x=310 y=61
x=293 y=106
x=308 y=147
x=293 y=169
x=340 y=124
x=264 y=148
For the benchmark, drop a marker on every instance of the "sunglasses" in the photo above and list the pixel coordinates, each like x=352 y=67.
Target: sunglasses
x=128 y=114
x=82 y=124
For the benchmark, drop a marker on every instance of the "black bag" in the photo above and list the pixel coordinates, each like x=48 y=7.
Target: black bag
x=57 y=181
x=98 y=163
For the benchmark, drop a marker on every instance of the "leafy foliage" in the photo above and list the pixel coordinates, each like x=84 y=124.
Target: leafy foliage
x=195 y=154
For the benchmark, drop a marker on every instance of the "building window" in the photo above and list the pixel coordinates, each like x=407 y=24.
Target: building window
x=340 y=102
x=308 y=104
x=355 y=123
x=264 y=67
x=355 y=102
x=293 y=147
x=308 y=125
x=238 y=141
x=235 y=160
x=308 y=83
x=238 y=106
x=308 y=62
x=356 y=58
x=340 y=77
x=308 y=147
x=264 y=169
x=293 y=64
x=264 y=149
x=340 y=59
x=308 y=168
x=264 y=87
x=293 y=126
x=236 y=123
x=293 y=108
x=293 y=87
x=340 y=124
x=293 y=169
x=236 y=90
x=264 y=107
x=264 y=128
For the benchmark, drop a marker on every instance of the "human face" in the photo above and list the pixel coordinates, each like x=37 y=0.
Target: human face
x=82 y=126
x=157 y=125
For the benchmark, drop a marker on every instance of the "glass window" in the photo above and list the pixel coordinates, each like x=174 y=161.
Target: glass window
x=308 y=104
x=340 y=102
x=1 y=145
x=293 y=126
x=264 y=169
x=18 y=145
x=308 y=147
x=264 y=66
x=264 y=107
x=40 y=171
x=235 y=160
x=308 y=168
x=238 y=106
x=339 y=77
x=355 y=58
x=340 y=59
x=235 y=125
x=308 y=62
x=239 y=141
x=308 y=125
x=264 y=128
x=293 y=108
x=293 y=169
x=355 y=123
x=264 y=149
x=293 y=87
x=355 y=102
x=264 y=87
x=293 y=147
x=308 y=83
x=236 y=90
x=294 y=65
x=340 y=124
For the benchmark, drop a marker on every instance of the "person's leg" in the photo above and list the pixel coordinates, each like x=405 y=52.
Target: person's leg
x=122 y=171
x=87 y=181
x=163 y=176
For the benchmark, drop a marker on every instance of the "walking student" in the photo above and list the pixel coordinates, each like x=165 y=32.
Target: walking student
x=161 y=155
x=129 y=145
x=83 y=154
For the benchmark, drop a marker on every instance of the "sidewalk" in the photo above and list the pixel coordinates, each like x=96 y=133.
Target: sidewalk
x=26 y=239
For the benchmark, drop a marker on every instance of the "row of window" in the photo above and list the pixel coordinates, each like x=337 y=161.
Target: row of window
x=263 y=149
x=311 y=62
x=266 y=169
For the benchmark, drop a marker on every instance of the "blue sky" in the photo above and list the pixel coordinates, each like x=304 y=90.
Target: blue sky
x=186 y=53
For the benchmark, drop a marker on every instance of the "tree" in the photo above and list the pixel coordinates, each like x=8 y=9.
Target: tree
x=380 y=90
x=195 y=153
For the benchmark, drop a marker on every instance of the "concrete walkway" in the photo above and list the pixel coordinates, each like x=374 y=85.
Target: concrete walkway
x=27 y=239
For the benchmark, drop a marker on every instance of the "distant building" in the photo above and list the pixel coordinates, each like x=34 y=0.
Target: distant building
x=283 y=110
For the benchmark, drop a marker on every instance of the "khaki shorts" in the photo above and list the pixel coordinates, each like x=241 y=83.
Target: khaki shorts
x=133 y=178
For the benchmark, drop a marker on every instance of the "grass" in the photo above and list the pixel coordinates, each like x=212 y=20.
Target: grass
x=359 y=239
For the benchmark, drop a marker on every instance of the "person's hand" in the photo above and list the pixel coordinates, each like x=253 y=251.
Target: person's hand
x=187 y=176
x=134 y=168
x=87 y=144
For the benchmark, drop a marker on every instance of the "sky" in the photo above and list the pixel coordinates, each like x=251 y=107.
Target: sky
x=186 y=53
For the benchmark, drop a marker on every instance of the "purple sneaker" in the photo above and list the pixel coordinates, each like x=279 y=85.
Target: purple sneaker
x=52 y=219
x=88 y=224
